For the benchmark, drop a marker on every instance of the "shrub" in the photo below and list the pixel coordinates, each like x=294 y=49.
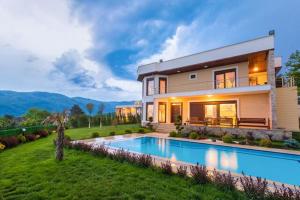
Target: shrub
x=203 y=131
x=242 y=142
x=250 y=138
x=141 y=130
x=101 y=150
x=283 y=193
x=173 y=134
x=199 y=174
x=10 y=141
x=2 y=146
x=144 y=160
x=227 y=138
x=265 y=142
x=30 y=137
x=42 y=133
x=121 y=155
x=112 y=133
x=128 y=131
x=254 y=189
x=182 y=171
x=167 y=167
x=149 y=125
x=224 y=180
x=291 y=143
x=95 y=135
x=21 y=138
x=296 y=136
x=67 y=138
x=193 y=135
x=81 y=146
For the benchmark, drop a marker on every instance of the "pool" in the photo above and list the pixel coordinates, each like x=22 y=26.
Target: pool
x=279 y=167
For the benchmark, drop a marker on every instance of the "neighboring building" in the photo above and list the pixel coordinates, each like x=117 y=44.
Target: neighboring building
x=229 y=86
x=125 y=110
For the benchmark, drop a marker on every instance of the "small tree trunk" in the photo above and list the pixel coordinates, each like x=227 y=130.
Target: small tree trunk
x=89 y=122
x=60 y=143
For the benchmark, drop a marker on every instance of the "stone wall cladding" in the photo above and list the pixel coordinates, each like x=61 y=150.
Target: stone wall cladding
x=276 y=134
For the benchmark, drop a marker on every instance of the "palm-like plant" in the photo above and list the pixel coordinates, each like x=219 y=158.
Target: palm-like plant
x=58 y=119
x=90 y=108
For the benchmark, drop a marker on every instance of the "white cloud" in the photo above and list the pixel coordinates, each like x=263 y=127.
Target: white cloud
x=34 y=34
x=44 y=28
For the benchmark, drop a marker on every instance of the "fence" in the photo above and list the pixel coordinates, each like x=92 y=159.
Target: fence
x=24 y=130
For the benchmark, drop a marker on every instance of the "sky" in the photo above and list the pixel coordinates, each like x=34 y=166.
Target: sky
x=92 y=48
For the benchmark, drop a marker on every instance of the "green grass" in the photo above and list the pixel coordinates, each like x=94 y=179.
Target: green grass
x=82 y=133
x=30 y=171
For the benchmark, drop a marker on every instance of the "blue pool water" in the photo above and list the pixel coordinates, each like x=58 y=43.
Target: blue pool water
x=280 y=167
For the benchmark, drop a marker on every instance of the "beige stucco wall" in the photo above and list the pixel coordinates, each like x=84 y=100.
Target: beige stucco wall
x=251 y=105
x=180 y=82
x=287 y=108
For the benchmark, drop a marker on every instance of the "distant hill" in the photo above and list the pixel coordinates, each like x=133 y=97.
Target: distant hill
x=17 y=103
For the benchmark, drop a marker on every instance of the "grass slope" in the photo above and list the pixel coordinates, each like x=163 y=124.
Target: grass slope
x=30 y=171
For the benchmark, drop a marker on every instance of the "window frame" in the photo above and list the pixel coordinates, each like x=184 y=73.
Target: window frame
x=191 y=74
x=165 y=104
x=148 y=103
x=166 y=86
x=147 y=86
x=224 y=72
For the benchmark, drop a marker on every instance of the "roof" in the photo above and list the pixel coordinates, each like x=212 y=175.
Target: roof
x=235 y=52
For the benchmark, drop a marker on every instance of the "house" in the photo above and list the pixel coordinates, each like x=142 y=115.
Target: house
x=126 y=110
x=233 y=86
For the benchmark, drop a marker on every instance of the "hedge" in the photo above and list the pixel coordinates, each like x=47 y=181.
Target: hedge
x=28 y=130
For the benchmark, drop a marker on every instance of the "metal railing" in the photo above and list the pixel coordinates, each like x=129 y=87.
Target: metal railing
x=285 y=81
x=218 y=84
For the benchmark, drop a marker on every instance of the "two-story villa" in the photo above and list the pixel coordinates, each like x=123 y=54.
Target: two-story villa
x=233 y=86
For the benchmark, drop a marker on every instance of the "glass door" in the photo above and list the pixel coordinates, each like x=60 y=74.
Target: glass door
x=175 y=111
x=162 y=107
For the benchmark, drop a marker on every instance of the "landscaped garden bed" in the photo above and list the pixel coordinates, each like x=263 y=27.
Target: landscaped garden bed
x=202 y=133
x=14 y=137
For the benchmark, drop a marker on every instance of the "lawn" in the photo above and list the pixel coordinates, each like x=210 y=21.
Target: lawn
x=30 y=171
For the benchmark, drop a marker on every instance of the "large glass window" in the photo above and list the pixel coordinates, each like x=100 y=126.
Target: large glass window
x=149 y=110
x=225 y=79
x=162 y=85
x=150 y=86
x=210 y=111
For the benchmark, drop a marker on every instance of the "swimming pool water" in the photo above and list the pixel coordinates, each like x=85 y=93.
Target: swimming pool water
x=280 y=167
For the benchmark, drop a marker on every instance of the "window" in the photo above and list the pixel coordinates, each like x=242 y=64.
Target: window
x=150 y=87
x=225 y=78
x=162 y=85
x=149 y=110
x=162 y=107
x=192 y=76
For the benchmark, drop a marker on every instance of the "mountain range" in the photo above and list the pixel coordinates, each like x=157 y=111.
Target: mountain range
x=17 y=103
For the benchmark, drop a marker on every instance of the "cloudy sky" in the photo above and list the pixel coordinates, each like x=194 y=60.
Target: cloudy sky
x=92 y=48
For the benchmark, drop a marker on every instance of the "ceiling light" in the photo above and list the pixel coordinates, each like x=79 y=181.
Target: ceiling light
x=255 y=69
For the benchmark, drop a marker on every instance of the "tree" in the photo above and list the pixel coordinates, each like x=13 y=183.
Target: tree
x=35 y=116
x=58 y=119
x=100 y=112
x=90 y=108
x=293 y=64
x=76 y=110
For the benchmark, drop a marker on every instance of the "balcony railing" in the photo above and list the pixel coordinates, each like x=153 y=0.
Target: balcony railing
x=285 y=81
x=217 y=84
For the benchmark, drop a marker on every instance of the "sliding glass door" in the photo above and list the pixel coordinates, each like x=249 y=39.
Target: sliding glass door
x=213 y=113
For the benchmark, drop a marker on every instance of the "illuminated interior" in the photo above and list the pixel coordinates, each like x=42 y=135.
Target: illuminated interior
x=258 y=69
